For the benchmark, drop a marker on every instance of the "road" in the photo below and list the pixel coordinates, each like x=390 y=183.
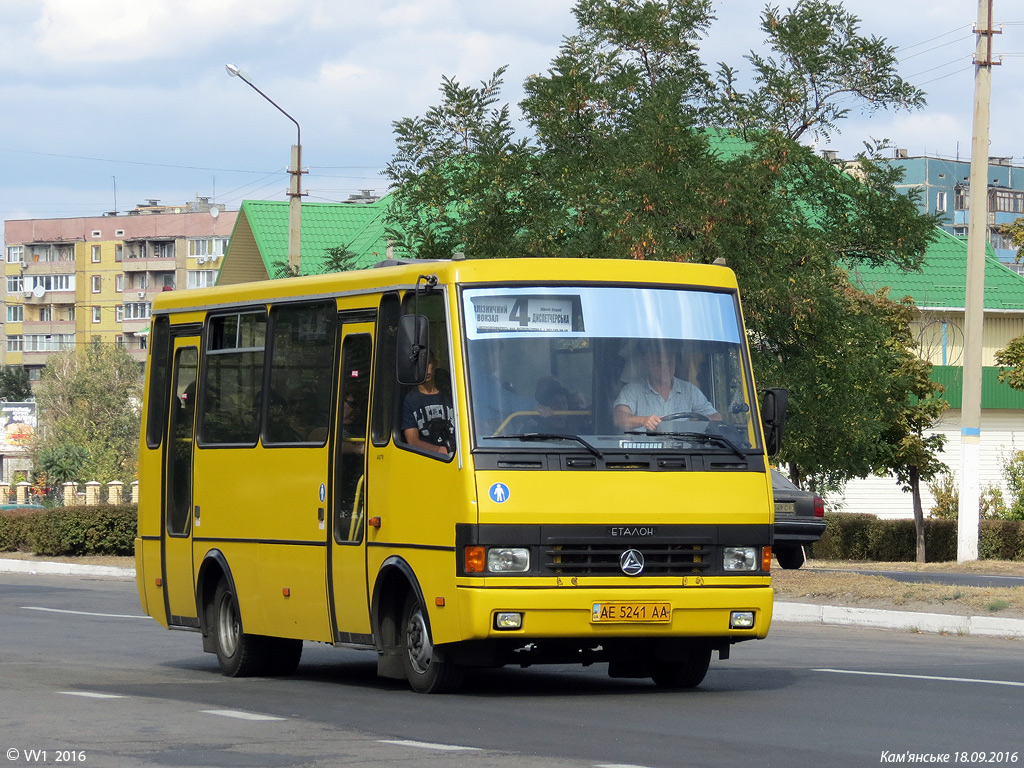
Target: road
x=86 y=678
x=935 y=577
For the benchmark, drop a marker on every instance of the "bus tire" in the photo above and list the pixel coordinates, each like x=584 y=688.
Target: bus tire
x=424 y=670
x=238 y=654
x=687 y=673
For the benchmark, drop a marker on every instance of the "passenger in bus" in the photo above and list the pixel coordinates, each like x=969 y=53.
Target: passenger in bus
x=428 y=418
x=353 y=431
x=641 y=405
x=494 y=400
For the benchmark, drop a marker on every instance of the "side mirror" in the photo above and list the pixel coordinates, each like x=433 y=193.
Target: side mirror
x=773 y=418
x=413 y=343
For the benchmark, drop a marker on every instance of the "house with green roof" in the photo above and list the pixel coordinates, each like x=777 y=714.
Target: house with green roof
x=939 y=291
x=259 y=242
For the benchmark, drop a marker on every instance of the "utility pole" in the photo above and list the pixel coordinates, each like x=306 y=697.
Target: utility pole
x=974 y=306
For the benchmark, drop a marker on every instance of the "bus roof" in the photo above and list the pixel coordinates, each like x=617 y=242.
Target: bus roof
x=402 y=273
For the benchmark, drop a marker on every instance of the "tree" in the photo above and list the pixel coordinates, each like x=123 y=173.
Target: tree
x=14 y=384
x=1011 y=362
x=637 y=152
x=89 y=415
x=914 y=454
x=819 y=65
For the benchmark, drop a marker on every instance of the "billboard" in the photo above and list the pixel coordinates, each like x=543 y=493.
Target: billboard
x=19 y=425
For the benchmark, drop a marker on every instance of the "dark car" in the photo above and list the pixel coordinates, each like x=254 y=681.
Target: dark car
x=799 y=520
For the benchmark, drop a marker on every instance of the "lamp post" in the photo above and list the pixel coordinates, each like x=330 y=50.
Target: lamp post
x=294 y=185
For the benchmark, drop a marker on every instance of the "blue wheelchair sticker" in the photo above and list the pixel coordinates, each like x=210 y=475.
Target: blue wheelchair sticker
x=498 y=493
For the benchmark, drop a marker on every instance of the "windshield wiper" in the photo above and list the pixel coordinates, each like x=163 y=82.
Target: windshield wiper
x=537 y=436
x=704 y=438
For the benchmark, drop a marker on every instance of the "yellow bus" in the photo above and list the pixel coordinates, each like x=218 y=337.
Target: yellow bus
x=455 y=464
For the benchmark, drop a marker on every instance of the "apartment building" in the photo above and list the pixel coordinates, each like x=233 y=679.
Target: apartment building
x=944 y=184
x=75 y=281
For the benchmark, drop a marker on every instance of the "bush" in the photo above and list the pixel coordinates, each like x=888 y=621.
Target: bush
x=865 y=537
x=14 y=524
x=75 y=531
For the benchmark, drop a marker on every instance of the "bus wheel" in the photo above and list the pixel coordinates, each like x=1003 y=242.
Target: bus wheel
x=688 y=673
x=238 y=654
x=424 y=670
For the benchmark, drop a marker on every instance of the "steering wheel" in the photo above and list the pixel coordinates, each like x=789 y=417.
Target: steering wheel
x=685 y=415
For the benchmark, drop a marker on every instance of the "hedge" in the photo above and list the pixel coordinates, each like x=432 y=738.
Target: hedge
x=866 y=537
x=70 y=531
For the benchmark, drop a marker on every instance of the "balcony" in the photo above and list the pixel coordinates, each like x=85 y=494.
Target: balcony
x=46 y=298
x=47 y=327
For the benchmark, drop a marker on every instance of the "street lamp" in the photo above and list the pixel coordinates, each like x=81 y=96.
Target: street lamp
x=294 y=186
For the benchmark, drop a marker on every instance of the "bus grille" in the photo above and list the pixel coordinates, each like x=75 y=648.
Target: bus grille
x=603 y=559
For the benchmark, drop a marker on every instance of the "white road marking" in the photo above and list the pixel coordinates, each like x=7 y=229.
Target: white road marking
x=239 y=715
x=84 y=613
x=428 y=745
x=90 y=695
x=922 y=677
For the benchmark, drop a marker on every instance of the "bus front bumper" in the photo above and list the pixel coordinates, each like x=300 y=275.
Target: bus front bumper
x=737 y=613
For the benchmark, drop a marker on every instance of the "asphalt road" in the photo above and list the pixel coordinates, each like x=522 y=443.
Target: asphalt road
x=936 y=577
x=84 y=678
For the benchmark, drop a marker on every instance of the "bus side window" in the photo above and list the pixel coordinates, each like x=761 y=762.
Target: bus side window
x=233 y=379
x=427 y=412
x=384 y=381
x=159 y=381
x=301 y=367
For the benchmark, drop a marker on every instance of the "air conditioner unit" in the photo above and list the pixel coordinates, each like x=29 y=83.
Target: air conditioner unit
x=142 y=294
x=200 y=259
x=28 y=294
x=23 y=265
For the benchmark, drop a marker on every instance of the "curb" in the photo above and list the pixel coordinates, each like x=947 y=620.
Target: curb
x=937 y=623
x=8 y=565
x=789 y=613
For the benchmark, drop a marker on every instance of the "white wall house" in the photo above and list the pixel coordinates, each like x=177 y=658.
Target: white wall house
x=938 y=290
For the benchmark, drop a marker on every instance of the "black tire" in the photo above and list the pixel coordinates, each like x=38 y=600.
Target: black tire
x=790 y=558
x=238 y=654
x=425 y=672
x=688 y=673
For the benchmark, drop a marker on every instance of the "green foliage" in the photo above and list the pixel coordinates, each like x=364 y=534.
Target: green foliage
x=820 y=65
x=620 y=165
x=1013 y=474
x=89 y=415
x=73 y=531
x=1011 y=362
x=947 y=497
x=14 y=384
x=865 y=537
x=14 y=525
x=62 y=462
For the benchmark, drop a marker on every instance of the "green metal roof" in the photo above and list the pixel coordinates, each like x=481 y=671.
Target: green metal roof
x=942 y=280
x=358 y=227
x=993 y=393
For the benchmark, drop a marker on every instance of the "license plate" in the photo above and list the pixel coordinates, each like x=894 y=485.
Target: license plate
x=785 y=507
x=629 y=613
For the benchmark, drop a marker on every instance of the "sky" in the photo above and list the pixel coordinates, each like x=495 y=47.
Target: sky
x=109 y=103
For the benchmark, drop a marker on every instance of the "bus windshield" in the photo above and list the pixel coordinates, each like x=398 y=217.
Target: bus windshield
x=606 y=369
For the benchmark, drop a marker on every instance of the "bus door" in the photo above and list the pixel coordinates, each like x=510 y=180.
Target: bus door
x=176 y=533
x=347 y=548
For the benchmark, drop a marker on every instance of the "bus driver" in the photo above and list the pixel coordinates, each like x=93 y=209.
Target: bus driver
x=642 y=404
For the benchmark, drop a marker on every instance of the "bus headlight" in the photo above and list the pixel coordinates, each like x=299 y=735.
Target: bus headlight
x=508 y=559
x=740 y=559
x=741 y=620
